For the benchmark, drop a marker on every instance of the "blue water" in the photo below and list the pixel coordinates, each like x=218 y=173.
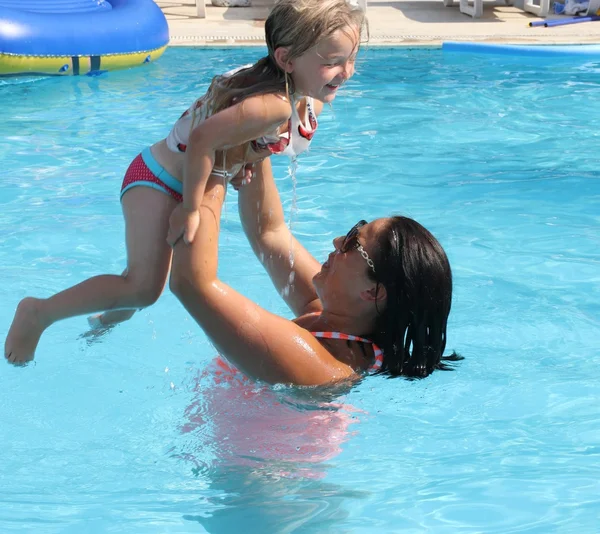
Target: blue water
x=130 y=433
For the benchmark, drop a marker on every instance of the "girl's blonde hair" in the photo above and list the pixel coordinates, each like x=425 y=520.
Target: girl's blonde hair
x=296 y=24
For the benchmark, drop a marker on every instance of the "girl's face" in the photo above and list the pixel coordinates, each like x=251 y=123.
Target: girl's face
x=319 y=72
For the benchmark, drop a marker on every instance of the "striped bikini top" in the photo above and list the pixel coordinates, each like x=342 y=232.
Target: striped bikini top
x=348 y=337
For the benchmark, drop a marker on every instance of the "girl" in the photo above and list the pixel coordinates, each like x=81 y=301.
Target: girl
x=245 y=116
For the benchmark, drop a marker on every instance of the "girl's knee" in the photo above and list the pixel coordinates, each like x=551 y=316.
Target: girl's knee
x=146 y=293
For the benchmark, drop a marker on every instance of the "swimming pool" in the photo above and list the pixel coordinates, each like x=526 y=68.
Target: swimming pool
x=129 y=433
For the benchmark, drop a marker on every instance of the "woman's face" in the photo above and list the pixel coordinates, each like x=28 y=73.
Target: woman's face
x=349 y=269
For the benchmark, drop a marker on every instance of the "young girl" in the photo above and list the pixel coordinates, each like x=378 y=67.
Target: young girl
x=246 y=115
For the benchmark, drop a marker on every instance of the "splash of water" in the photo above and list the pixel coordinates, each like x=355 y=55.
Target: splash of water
x=292 y=169
x=225 y=183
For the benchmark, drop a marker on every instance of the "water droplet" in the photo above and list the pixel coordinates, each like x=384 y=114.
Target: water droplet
x=294 y=209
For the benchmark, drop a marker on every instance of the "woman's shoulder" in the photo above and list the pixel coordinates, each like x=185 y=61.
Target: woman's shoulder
x=299 y=355
x=354 y=352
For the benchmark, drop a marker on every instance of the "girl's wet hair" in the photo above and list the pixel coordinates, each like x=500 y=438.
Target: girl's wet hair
x=411 y=330
x=297 y=25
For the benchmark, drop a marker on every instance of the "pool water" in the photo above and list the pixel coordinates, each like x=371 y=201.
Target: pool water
x=130 y=432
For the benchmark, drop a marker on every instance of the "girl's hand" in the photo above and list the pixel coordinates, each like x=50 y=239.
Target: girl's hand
x=183 y=224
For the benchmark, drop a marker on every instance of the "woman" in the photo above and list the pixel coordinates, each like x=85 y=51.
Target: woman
x=380 y=302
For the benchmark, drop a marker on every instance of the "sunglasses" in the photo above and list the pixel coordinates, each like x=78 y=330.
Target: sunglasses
x=351 y=242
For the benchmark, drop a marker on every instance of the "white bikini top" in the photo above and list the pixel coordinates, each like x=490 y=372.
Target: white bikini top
x=292 y=143
x=298 y=136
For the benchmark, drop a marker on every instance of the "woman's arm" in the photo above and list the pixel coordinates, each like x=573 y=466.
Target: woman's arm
x=234 y=126
x=263 y=220
x=261 y=344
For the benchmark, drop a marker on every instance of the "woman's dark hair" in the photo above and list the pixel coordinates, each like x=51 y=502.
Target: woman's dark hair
x=414 y=269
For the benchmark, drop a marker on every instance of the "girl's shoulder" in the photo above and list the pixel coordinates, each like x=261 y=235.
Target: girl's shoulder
x=272 y=105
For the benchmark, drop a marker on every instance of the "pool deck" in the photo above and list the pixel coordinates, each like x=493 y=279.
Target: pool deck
x=393 y=23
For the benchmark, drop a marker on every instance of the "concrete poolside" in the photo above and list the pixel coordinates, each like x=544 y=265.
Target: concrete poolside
x=401 y=23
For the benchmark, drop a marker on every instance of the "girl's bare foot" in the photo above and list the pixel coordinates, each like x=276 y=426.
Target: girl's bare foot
x=25 y=331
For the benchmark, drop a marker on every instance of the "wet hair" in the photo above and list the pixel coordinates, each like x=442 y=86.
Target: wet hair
x=411 y=329
x=296 y=24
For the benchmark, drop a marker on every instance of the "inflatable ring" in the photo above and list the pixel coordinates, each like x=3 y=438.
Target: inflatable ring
x=72 y=37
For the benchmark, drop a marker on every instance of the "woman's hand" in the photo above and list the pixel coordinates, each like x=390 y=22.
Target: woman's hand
x=183 y=223
x=244 y=177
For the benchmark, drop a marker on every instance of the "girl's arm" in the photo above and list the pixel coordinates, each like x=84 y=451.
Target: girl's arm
x=250 y=119
x=262 y=345
x=263 y=220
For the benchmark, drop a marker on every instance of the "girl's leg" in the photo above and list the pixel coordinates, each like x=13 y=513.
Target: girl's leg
x=147 y=214
x=102 y=321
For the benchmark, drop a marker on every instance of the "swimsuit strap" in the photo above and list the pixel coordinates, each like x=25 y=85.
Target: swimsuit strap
x=339 y=335
x=349 y=337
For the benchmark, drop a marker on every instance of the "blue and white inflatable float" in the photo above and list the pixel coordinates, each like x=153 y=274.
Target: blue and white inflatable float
x=71 y=37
